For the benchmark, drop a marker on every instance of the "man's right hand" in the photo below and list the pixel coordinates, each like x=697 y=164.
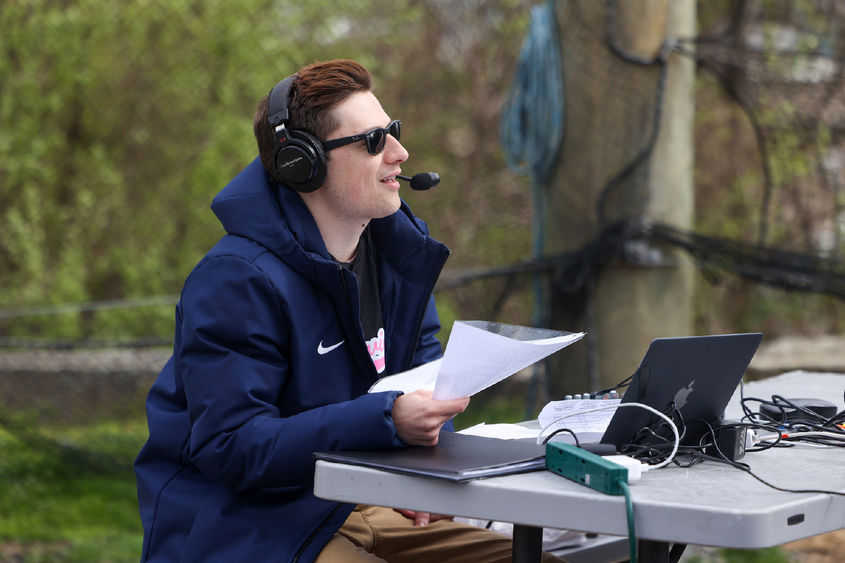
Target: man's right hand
x=418 y=417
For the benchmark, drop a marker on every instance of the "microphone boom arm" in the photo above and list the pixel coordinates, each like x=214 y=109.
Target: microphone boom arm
x=422 y=181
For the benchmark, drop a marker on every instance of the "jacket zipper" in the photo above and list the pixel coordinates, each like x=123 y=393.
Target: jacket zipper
x=315 y=532
x=421 y=312
x=420 y=315
x=356 y=317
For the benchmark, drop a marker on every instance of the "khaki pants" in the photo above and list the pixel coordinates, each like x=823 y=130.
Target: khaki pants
x=373 y=533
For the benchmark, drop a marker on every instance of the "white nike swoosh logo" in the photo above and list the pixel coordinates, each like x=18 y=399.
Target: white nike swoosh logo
x=321 y=350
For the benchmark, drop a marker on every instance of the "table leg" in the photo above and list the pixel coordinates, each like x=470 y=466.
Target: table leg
x=527 y=543
x=659 y=552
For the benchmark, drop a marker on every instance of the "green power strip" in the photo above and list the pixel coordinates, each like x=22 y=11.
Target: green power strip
x=586 y=468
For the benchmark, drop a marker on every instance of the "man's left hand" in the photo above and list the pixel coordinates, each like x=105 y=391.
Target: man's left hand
x=422 y=518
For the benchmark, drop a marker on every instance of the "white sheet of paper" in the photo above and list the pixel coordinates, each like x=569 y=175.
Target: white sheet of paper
x=476 y=357
x=501 y=430
x=420 y=377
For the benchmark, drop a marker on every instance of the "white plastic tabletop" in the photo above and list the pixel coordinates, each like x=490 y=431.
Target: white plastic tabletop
x=708 y=504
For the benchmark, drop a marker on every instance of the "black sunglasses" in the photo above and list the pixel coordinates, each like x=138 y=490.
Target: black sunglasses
x=375 y=139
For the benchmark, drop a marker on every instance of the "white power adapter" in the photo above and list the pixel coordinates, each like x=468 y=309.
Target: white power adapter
x=635 y=467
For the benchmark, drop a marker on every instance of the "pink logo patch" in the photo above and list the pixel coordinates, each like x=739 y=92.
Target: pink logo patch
x=376 y=348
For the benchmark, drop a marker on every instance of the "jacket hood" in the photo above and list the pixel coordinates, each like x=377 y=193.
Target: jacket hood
x=251 y=206
x=255 y=207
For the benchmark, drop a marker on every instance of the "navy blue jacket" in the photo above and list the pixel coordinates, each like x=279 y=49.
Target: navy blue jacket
x=227 y=472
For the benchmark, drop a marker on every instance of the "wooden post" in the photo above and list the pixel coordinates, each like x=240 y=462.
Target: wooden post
x=610 y=105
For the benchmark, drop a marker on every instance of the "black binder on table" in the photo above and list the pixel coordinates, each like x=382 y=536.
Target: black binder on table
x=456 y=457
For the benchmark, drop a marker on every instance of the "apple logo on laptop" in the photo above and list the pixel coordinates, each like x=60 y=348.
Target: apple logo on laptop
x=681 y=396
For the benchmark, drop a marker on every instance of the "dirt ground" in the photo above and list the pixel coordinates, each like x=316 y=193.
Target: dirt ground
x=14 y=552
x=827 y=548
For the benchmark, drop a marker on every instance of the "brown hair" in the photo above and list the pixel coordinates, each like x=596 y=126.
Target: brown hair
x=317 y=90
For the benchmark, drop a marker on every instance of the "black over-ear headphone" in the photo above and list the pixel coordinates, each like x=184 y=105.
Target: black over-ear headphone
x=298 y=157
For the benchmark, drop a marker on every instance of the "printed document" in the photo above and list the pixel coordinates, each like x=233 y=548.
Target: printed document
x=478 y=355
x=586 y=418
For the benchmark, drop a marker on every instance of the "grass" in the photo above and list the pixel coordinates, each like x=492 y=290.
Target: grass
x=768 y=555
x=68 y=495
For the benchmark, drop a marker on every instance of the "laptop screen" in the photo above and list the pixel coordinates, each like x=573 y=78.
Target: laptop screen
x=697 y=375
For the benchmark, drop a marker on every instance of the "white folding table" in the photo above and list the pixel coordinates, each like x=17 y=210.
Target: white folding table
x=708 y=504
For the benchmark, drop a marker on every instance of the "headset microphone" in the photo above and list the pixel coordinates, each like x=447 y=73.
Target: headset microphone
x=423 y=180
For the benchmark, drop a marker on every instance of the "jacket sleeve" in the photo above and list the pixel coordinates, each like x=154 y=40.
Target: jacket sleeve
x=231 y=354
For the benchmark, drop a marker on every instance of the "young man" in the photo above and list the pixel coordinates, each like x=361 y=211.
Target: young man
x=321 y=284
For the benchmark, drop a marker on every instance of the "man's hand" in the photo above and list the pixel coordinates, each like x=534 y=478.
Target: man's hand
x=422 y=518
x=418 y=417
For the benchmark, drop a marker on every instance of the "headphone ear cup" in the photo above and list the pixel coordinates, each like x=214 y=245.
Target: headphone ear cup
x=300 y=161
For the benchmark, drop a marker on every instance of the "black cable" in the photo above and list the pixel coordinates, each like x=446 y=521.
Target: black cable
x=811 y=421
x=652 y=444
x=722 y=458
x=620 y=385
x=558 y=431
x=660 y=60
x=788 y=433
x=747 y=469
x=772 y=266
x=821 y=441
x=780 y=400
x=816 y=491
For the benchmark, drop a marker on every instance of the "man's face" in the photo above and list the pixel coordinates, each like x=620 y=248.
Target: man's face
x=360 y=186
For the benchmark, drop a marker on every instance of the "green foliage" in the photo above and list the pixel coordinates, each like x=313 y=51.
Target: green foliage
x=102 y=123
x=491 y=407
x=120 y=121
